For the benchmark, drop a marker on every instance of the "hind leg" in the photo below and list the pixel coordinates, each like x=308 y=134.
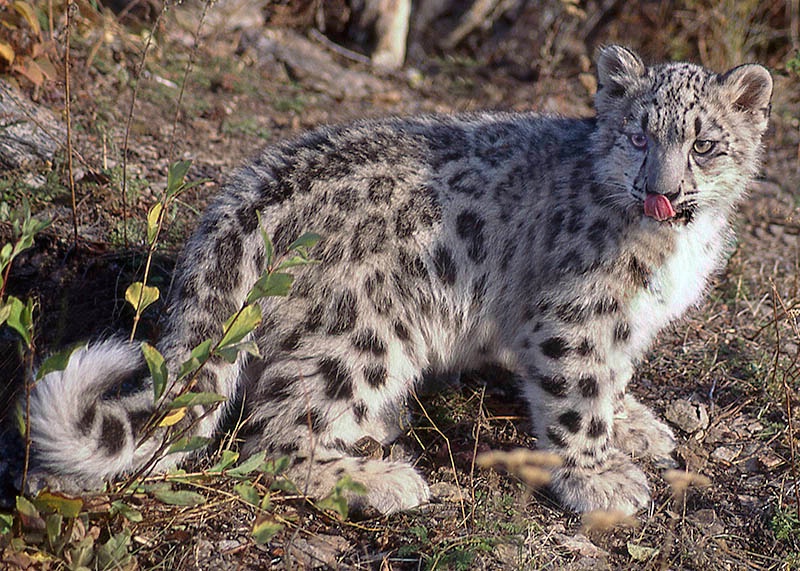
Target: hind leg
x=317 y=408
x=391 y=486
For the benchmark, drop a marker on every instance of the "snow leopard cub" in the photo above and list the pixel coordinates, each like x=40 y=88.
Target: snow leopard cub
x=556 y=247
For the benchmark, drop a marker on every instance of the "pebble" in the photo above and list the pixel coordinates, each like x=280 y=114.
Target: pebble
x=318 y=551
x=447 y=492
x=580 y=544
x=687 y=415
x=726 y=454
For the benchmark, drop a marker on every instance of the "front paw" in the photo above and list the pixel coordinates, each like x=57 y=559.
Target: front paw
x=638 y=432
x=615 y=484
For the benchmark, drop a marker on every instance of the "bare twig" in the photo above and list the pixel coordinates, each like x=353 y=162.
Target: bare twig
x=67 y=97
x=29 y=383
x=449 y=453
x=481 y=419
x=189 y=68
x=337 y=49
x=129 y=120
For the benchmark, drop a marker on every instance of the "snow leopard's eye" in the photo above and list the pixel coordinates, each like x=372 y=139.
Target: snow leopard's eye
x=638 y=140
x=702 y=146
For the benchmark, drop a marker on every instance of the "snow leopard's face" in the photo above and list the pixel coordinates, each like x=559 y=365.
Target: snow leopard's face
x=677 y=137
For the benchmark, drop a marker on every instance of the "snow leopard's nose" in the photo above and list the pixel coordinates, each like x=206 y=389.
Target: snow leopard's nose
x=665 y=172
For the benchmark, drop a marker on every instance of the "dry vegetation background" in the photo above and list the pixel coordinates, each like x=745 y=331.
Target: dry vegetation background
x=152 y=82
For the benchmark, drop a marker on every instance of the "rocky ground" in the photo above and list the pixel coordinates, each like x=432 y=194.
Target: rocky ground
x=726 y=378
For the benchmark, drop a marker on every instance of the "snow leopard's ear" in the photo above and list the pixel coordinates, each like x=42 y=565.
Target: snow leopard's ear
x=749 y=89
x=618 y=69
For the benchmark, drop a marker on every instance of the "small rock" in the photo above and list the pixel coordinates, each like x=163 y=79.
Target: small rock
x=707 y=521
x=447 y=492
x=35 y=181
x=719 y=433
x=726 y=454
x=587 y=564
x=318 y=551
x=688 y=416
x=769 y=460
x=749 y=502
x=227 y=545
x=580 y=544
x=509 y=555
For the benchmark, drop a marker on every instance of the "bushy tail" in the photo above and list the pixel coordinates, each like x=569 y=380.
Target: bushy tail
x=84 y=419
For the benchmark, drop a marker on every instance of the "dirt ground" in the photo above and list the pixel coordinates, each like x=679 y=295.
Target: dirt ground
x=726 y=378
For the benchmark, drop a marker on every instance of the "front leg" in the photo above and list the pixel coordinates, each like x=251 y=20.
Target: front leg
x=573 y=385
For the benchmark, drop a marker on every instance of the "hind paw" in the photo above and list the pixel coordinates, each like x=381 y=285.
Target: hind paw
x=390 y=486
x=615 y=484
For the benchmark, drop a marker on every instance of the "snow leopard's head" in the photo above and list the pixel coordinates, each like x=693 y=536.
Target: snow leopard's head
x=677 y=138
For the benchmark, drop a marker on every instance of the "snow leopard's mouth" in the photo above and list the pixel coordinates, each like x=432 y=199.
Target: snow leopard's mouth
x=660 y=208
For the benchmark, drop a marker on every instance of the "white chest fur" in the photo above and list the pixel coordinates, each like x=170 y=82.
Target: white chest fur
x=681 y=281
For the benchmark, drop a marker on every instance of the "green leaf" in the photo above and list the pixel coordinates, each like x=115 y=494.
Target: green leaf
x=56 y=362
x=59 y=503
x=25 y=241
x=175 y=175
x=6 y=523
x=5 y=255
x=20 y=318
x=240 y=325
x=187 y=185
x=179 y=497
x=141 y=296
x=252 y=464
x=198 y=356
x=195 y=399
x=187 y=444
x=53 y=528
x=336 y=503
x=295 y=261
x=266 y=502
x=228 y=458
x=277 y=284
x=336 y=500
x=129 y=513
x=269 y=249
x=29 y=514
x=158 y=369
x=231 y=352
x=304 y=242
x=82 y=554
x=114 y=553
x=265 y=529
x=284 y=485
x=5 y=309
x=247 y=492
x=275 y=466
x=152 y=221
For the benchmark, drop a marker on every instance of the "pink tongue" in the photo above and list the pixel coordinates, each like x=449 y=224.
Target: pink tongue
x=659 y=207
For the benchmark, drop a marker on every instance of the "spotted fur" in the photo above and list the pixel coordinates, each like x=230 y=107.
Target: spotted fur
x=449 y=241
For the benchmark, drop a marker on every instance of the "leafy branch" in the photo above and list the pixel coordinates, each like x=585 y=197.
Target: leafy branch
x=13 y=311
x=139 y=294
